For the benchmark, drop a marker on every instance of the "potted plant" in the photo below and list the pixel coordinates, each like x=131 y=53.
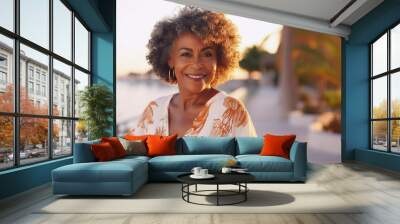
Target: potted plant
x=96 y=102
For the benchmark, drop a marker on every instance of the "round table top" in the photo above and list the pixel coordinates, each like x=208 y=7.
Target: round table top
x=220 y=178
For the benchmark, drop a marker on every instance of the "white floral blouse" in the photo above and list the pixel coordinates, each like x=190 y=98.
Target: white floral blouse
x=223 y=115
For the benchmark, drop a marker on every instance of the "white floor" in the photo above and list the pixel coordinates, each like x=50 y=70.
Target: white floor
x=377 y=189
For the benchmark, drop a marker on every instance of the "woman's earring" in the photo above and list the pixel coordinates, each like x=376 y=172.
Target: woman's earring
x=171 y=74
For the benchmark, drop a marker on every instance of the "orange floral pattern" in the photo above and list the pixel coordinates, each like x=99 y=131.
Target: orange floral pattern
x=161 y=131
x=222 y=115
x=199 y=121
x=235 y=115
x=147 y=115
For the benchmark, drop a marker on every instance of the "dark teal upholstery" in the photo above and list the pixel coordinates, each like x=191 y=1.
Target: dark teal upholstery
x=125 y=176
x=118 y=177
x=206 y=145
x=83 y=153
x=249 y=145
x=184 y=163
x=298 y=155
x=257 y=163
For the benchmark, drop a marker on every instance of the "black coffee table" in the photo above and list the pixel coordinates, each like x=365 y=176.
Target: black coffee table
x=238 y=179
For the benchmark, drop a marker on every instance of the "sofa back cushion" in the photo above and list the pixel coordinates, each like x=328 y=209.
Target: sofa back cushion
x=249 y=145
x=83 y=152
x=190 y=145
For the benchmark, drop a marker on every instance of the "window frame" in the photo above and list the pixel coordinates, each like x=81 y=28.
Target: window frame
x=388 y=74
x=16 y=115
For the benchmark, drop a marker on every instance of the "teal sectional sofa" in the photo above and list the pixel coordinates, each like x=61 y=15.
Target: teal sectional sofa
x=125 y=176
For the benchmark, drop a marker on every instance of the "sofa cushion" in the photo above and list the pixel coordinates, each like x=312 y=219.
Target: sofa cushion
x=249 y=145
x=185 y=163
x=190 y=145
x=133 y=158
x=257 y=163
x=111 y=171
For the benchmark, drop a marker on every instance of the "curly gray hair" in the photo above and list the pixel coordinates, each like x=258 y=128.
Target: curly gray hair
x=213 y=28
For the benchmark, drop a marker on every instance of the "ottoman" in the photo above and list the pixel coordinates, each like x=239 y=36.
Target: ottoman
x=117 y=177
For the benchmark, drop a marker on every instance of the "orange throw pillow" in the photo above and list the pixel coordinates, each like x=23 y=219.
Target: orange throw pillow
x=161 y=145
x=116 y=145
x=103 y=151
x=135 y=137
x=277 y=145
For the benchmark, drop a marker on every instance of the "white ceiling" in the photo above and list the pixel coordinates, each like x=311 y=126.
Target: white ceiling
x=321 y=9
x=316 y=15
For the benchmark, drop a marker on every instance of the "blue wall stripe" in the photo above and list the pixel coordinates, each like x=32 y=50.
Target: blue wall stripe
x=24 y=178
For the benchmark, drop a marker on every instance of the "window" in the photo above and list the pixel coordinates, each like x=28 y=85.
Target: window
x=3 y=78
x=3 y=72
x=38 y=89
x=34 y=21
x=33 y=149
x=30 y=72
x=6 y=73
x=385 y=94
x=81 y=81
x=37 y=74
x=30 y=87
x=7 y=142
x=62 y=130
x=81 y=45
x=62 y=29
x=54 y=125
x=62 y=74
x=44 y=91
x=43 y=77
x=7 y=14
x=3 y=61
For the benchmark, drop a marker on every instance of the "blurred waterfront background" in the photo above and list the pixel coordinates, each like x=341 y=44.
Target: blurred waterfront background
x=289 y=79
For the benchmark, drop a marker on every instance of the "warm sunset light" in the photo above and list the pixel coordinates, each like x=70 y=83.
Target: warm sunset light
x=131 y=45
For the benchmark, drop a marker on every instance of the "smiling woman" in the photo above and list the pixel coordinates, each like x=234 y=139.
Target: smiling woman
x=197 y=50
